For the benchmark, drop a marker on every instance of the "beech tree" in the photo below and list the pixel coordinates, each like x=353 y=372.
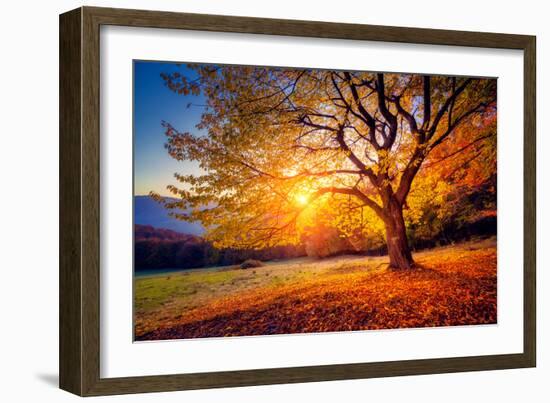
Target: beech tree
x=278 y=145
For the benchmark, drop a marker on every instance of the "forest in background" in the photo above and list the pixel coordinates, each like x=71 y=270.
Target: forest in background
x=158 y=248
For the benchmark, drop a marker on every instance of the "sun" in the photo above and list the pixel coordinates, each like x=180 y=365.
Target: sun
x=302 y=199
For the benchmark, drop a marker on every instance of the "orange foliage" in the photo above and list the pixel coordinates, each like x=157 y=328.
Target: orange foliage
x=451 y=287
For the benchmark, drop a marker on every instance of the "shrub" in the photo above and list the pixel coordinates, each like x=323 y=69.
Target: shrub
x=250 y=263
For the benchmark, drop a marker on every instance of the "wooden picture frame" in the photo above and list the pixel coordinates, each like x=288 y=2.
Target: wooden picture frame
x=80 y=200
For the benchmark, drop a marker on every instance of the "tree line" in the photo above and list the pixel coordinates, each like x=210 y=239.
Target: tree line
x=157 y=248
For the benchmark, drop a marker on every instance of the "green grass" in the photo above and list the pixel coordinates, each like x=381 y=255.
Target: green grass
x=166 y=297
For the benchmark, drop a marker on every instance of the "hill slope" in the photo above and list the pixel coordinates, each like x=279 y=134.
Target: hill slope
x=149 y=212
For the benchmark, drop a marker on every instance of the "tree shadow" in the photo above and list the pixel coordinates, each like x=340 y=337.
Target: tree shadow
x=49 y=379
x=420 y=268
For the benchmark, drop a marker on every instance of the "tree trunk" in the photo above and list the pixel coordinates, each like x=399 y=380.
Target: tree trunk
x=396 y=238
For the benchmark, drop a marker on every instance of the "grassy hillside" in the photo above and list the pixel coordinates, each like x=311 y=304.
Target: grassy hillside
x=454 y=285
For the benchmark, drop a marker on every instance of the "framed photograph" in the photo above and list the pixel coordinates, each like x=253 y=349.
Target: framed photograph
x=251 y=201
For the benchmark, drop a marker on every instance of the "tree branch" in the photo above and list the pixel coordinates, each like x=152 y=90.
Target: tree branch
x=388 y=116
x=408 y=116
x=366 y=116
x=459 y=150
x=353 y=192
x=455 y=124
x=354 y=159
x=427 y=103
x=446 y=106
x=380 y=88
x=408 y=174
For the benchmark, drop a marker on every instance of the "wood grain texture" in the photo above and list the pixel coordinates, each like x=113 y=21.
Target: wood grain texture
x=530 y=202
x=80 y=201
x=90 y=203
x=314 y=29
x=70 y=274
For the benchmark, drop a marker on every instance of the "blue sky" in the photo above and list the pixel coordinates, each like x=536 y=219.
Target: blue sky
x=153 y=102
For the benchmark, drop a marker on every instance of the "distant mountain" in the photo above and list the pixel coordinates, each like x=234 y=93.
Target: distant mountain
x=149 y=212
x=150 y=233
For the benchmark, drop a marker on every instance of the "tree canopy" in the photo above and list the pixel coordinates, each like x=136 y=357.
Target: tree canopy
x=285 y=151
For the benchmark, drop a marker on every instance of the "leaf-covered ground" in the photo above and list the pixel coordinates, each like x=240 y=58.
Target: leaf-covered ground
x=454 y=285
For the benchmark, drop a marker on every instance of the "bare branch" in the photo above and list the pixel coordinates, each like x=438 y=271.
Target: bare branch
x=427 y=103
x=390 y=118
x=409 y=117
x=446 y=106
